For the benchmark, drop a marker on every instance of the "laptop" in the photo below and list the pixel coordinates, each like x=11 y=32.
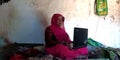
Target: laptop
x=80 y=37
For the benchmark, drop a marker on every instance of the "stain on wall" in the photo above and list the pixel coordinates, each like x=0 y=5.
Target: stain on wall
x=23 y=25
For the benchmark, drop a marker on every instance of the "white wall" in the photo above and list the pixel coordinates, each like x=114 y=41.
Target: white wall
x=78 y=13
x=24 y=25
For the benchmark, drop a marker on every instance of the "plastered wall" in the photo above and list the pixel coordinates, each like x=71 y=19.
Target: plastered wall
x=80 y=13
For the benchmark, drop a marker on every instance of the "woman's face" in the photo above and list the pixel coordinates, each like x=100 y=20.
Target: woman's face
x=60 y=21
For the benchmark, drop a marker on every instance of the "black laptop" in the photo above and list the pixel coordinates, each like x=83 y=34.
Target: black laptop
x=80 y=37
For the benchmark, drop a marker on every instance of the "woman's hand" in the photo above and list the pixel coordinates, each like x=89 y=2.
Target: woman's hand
x=66 y=44
x=63 y=42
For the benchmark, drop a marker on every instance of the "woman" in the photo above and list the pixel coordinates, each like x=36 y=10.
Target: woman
x=57 y=40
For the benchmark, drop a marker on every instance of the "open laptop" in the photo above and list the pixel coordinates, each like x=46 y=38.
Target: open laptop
x=80 y=37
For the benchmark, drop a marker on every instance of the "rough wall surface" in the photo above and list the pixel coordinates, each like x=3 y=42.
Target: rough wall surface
x=81 y=13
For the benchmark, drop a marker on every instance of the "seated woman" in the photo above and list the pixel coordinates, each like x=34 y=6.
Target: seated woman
x=57 y=41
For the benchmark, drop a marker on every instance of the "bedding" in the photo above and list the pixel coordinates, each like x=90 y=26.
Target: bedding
x=97 y=51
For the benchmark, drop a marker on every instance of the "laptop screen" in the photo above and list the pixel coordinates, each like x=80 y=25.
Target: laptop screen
x=80 y=37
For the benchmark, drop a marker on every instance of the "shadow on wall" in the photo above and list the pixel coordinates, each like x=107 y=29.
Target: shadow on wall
x=42 y=18
x=26 y=26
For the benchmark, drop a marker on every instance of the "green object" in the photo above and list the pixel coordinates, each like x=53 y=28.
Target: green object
x=101 y=7
x=111 y=52
x=94 y=43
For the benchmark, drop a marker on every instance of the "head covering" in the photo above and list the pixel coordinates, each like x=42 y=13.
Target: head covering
x=59 y=32
x=54 y=19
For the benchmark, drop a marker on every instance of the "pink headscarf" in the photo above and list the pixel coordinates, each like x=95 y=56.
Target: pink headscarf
x=59 y=33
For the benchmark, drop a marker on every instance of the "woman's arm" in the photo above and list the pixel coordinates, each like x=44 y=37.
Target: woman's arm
x=50 y=38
